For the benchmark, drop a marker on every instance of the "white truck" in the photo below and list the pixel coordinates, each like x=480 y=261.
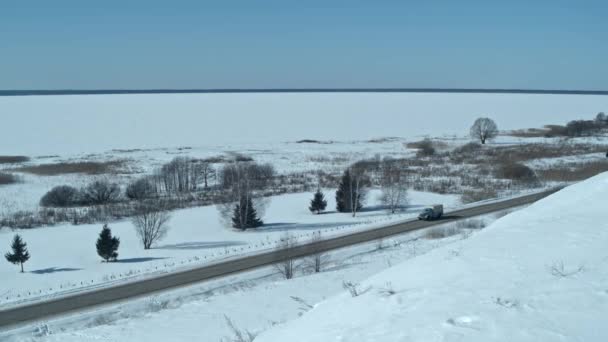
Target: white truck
x=433 y=212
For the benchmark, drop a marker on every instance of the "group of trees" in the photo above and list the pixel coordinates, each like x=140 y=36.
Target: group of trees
x=150 y=223
x=355 y=182
x=180 y=175
x=243 y=184
x=95 y=193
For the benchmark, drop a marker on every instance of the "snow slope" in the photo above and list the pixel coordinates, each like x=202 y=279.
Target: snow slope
x=539 y=274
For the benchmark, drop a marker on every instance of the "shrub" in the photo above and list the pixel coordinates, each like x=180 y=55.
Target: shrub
x=7 y=178
x=471 y=196
x=425 y=147
x=61 y=196
x=440 y=233
x=468 y=148
x=13 y=159
x=140 y=189
x=100 y=192
x=517 y=172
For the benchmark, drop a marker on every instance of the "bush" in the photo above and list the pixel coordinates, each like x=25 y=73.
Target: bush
x=13 y=159
x=471 y=196
x=440 y=233
x=425 y=147
x=468 y=148
x=7 y=178
x=517 y=172
x=61 y=196
x=100 y=192
x=140 y=189
x=577 y=128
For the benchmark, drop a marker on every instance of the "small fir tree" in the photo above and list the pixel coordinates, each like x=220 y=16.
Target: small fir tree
x=318 y=203
x=20 y=254
x=245 y=216
x=107 y=245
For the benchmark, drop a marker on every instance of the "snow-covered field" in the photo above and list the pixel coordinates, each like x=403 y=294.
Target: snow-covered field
x=64 y=258
x=254 y=301
x=539 y=274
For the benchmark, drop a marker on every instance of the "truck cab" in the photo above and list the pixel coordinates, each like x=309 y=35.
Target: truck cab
x=433 y=212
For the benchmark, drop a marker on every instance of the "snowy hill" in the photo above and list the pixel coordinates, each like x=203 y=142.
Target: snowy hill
x=539 y=274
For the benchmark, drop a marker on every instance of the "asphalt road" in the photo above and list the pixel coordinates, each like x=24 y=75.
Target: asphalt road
x=31 y=313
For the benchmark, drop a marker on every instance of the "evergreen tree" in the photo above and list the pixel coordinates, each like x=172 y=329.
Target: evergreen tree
x=318 y=203
x=346 y=189
x=20 y=254
x=245 y=215
x=107 y=245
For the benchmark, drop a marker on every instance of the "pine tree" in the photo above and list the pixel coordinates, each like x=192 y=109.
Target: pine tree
x=20 y=254
x=318 y=203
x=245 y=215
x=107 y=245
x=344 y=192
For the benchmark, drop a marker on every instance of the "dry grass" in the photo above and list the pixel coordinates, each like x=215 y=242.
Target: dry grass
x=90 y=168
x=13 y=159
x=574 y=173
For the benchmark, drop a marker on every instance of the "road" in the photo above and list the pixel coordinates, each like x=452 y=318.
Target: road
x=31 y=313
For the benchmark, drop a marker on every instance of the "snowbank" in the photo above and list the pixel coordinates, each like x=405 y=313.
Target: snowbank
x=539 y=274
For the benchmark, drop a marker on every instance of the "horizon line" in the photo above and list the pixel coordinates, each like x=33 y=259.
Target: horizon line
x=44 y=92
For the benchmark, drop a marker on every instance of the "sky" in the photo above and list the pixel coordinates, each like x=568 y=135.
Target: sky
x=73 y=44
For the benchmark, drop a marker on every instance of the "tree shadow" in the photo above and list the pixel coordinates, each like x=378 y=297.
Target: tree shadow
x=201 y=245
x=55 y=270
x=136 y=260
x=271 y=227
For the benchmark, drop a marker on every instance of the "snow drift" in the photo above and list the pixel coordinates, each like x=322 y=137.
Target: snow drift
x=539 y=274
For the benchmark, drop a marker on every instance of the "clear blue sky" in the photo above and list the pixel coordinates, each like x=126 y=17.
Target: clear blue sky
x=78 y=44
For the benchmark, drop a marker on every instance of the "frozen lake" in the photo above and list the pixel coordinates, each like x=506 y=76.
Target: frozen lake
x=42 y=125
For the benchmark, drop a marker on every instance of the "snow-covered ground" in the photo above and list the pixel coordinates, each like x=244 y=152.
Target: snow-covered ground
x=539 y=274
x=64 y=259
x=255 y=301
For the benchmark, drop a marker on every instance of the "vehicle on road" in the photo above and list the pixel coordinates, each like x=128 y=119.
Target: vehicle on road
x=430 y=213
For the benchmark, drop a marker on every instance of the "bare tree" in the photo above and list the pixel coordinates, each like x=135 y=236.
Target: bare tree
x=317 y=259
x=484 y=129
x=208 y=172
x=359 y=180
x=287 y=267
x=151 y=224
x=394 y=185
